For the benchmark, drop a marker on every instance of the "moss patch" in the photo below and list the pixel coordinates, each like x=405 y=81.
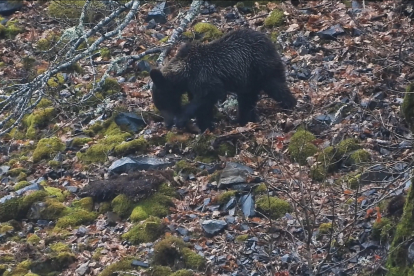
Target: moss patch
x=148 y=231
x=46 y=148
x=273 y=206
x=75 y=218
x=171 y=250
x=300 y=146
x=275 y=18
x=38 y=119
x=209 y=31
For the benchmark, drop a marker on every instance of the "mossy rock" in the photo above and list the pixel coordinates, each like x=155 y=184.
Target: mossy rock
x=358 y=157
x=75 y=218
x=45 y=44
x=224 y=197
x=209 y=31
x=123 y=265
x=11 y=29
x=148 y=231
x=301 y=147
x=346 y=146
x=171 y=250
x=275 y=19
x=156 y=205
x=273 y=206
x=131 y=147
x=325 y=228
x=318 y=173
x=46 y=148
x=407 y=107
x=17 y=208
x=122 y=205
x=85 y=203
x=185 y=167
x=39 y=118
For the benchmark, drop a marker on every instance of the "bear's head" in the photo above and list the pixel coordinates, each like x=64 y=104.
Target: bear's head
x=165 y=97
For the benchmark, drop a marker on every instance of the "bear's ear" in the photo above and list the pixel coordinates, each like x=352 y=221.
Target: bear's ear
x=157 y=77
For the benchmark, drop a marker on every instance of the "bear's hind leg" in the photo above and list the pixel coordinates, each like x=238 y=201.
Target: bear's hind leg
x=246 y=111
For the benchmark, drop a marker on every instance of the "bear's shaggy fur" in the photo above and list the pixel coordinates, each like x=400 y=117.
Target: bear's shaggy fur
x=243 y=61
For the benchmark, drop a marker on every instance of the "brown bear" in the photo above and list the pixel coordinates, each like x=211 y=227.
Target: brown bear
x=243 y=61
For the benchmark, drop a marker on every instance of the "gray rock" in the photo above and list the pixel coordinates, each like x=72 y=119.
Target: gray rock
x=82 y=269
x=130 y=120
x=4 y=170
x=9 y=7
x=126 y=164
x=247 y=205
x=212 y=227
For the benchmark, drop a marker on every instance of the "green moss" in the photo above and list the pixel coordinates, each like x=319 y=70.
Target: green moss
x=261 y=189
x=138 y=214
x=300 y=146
x=192 y=260
x=357 y=157
x=45 y=44
x=59 y=247
x=209 y=31
x=122 y=205
x=54 y=163
x=16 y=171
x=56 y=192
x=226 y=149
x=124 y=265
x=53 y=210
x=33 y=239
x=28 y=200
x=44 y=103
x=242 y=238
x=104 y=207
x=173 y=138
x=75 y=218
x=187 y=34
x=111 y=86
x=39 y=118
x=5 y=227
x=273 y=206
x=383 y=230
x=172 y=249
x=56 y=80
x=21 y=185
x=318 y=173
x=98 y=153
x=80 y=141
x=407 y=107
x=325 y=228
x=347 y=145
x=160 y=270
x=6 y=258
x=165 y=39
x=21 y=269
x=148 y=231
x=10 y=209
x=105 y=53
x=329 y=159
x=138 y=145
x=157 y=205
x=12 y=29
x=68 y=9
x=223 y=198
x=275 y=18
x=2 y=30
x=185 y=167
x=85 y=203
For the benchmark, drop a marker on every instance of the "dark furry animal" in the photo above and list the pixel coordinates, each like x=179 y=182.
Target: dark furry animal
x=244 y=62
